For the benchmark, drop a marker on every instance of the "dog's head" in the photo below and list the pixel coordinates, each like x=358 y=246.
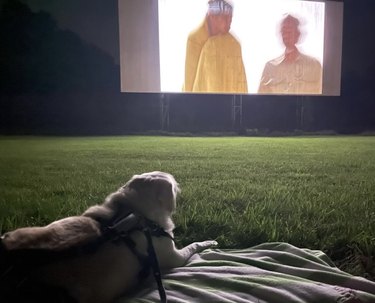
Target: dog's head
x=152 y=193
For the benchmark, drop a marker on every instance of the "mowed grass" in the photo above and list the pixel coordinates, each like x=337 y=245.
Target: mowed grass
x=315 y=192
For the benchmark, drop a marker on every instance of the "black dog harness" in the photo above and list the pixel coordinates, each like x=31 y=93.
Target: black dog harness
x=119 y=232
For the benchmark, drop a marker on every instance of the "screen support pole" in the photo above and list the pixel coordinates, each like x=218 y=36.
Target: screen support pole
x=300 y=113
x=164 y=111
x=237 y=111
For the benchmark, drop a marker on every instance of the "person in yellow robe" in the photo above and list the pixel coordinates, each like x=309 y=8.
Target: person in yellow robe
x=293 y=72
x=213 y=55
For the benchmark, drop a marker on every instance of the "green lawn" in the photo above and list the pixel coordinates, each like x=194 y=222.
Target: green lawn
x=315 y=192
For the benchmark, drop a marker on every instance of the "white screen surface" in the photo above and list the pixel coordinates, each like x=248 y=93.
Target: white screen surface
x=256 y=26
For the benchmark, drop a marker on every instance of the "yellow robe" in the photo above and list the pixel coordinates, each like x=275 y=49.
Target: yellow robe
x=194 y=45
x=214 y=64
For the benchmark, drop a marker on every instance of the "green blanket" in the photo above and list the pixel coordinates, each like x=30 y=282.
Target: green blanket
x=270 y=272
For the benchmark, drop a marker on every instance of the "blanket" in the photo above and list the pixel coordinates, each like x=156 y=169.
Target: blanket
x=270 y=272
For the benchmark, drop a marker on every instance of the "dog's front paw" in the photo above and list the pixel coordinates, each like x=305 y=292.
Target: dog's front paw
x=188 y=251
x=206 y=244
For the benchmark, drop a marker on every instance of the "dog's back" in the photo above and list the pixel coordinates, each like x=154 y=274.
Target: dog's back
x=108 y=262
x=100 y=273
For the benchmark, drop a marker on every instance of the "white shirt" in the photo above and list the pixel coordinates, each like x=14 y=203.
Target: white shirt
x=302 y=76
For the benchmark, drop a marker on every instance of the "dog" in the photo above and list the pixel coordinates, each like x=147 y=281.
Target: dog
x=111 y=268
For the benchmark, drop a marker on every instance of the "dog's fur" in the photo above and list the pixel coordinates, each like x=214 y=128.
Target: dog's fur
x=112 y=269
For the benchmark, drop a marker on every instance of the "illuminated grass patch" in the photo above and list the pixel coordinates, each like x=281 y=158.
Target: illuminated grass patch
x=316 y=192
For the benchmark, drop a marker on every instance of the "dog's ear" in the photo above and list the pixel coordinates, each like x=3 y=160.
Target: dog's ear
x=165 y=194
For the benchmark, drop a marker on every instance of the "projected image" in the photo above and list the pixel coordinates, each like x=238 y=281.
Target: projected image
x=293 y=72
x=213 y=60
x=269 y=47
x=241 y=46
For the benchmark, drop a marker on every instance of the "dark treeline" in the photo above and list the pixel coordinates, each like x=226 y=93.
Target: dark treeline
x=53 y=82
x=37 y=57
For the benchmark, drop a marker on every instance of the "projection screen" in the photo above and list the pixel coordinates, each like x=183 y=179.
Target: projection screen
x=286 y=47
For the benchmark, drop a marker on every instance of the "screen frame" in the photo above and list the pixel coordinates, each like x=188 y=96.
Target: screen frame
x=140 y=47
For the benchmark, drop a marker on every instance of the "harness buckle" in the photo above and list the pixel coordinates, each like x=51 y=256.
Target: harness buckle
x=125 y=224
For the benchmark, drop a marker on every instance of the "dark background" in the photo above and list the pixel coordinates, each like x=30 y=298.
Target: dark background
x=59 y=74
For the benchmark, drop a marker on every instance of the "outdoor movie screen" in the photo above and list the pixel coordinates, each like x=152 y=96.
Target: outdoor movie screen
x=276 y=47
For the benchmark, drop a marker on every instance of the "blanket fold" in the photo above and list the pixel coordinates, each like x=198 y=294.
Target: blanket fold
x=270 y=272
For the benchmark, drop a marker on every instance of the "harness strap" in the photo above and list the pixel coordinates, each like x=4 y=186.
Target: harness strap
x=143 y=260
x=155 y=266
x=122 y=230
x=156 y=230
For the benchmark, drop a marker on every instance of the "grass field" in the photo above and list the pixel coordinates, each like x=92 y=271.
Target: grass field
x=315 y=192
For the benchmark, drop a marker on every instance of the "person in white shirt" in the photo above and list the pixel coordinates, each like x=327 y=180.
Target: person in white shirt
x=293 y=72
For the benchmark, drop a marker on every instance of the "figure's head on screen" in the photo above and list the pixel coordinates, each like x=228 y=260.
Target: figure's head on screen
x=219 y=16
x=289 y=30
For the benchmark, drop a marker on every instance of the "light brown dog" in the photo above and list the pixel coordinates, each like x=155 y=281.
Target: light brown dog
x=112 y=268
